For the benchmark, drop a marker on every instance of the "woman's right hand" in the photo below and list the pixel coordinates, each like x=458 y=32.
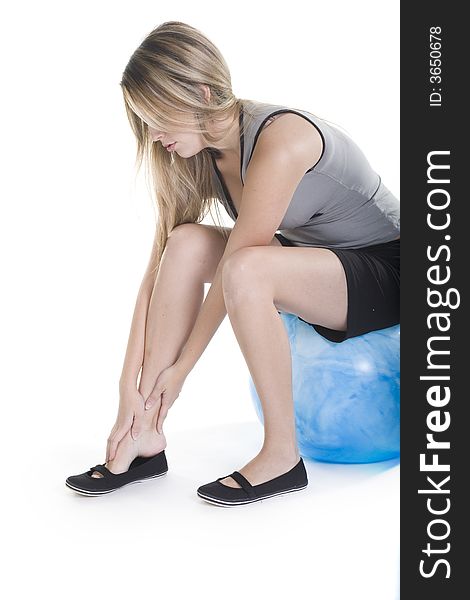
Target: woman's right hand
x=131 y=406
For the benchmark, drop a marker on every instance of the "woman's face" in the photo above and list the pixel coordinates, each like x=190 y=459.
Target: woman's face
x=187 y=144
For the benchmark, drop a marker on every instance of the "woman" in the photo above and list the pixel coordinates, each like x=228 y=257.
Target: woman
x=316 y=234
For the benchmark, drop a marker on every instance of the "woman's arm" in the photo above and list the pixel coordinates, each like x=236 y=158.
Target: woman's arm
x=134 y=357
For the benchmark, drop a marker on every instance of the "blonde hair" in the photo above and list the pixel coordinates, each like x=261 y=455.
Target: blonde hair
x=161 y=85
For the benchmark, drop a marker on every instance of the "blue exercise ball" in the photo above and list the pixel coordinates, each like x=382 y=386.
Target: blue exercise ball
x=346 y=395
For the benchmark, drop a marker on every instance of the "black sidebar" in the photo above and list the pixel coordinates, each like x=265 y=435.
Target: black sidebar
x=435 y=231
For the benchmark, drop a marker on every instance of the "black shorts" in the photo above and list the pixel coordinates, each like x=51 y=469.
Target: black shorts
x=373 y=281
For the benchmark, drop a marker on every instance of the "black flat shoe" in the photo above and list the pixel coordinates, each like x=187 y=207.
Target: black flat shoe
x=224 y=495
x=140 y=469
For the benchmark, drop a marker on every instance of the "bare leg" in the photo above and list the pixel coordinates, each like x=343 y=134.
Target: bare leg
x=309 y=282
x=191 y=257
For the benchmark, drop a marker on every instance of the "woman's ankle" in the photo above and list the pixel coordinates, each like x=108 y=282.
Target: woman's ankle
x=281 y=455
x=150 y=442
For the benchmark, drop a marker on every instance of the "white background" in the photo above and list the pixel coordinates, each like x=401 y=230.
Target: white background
x=76 y=230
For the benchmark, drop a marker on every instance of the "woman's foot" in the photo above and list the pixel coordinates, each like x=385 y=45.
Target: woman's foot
x=263 y=467
x=149 y=443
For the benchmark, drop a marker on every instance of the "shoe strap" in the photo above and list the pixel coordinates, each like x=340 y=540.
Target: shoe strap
x=101 y=469
x=244 y=483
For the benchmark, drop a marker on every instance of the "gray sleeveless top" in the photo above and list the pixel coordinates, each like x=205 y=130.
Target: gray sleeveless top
x=340 y=202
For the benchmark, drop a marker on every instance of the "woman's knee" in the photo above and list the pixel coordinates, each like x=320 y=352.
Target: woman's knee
x=242 y=275
x=197 y=244
x=192 y=239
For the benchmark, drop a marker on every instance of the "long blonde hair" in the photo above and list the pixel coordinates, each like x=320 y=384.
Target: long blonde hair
x=160 y=82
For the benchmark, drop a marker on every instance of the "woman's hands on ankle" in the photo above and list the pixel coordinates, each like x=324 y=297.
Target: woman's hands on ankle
x=131 y=407
x=167 y=388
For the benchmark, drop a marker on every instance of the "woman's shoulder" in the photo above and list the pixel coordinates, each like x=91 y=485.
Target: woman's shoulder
x=284 y=122
x=294 y=133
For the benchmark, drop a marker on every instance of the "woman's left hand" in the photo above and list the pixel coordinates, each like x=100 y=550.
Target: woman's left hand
x=166 y=389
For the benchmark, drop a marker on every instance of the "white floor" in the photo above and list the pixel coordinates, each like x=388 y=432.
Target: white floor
x=337 y=539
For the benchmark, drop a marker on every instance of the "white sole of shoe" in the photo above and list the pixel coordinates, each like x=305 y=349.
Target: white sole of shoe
x=248 y=501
